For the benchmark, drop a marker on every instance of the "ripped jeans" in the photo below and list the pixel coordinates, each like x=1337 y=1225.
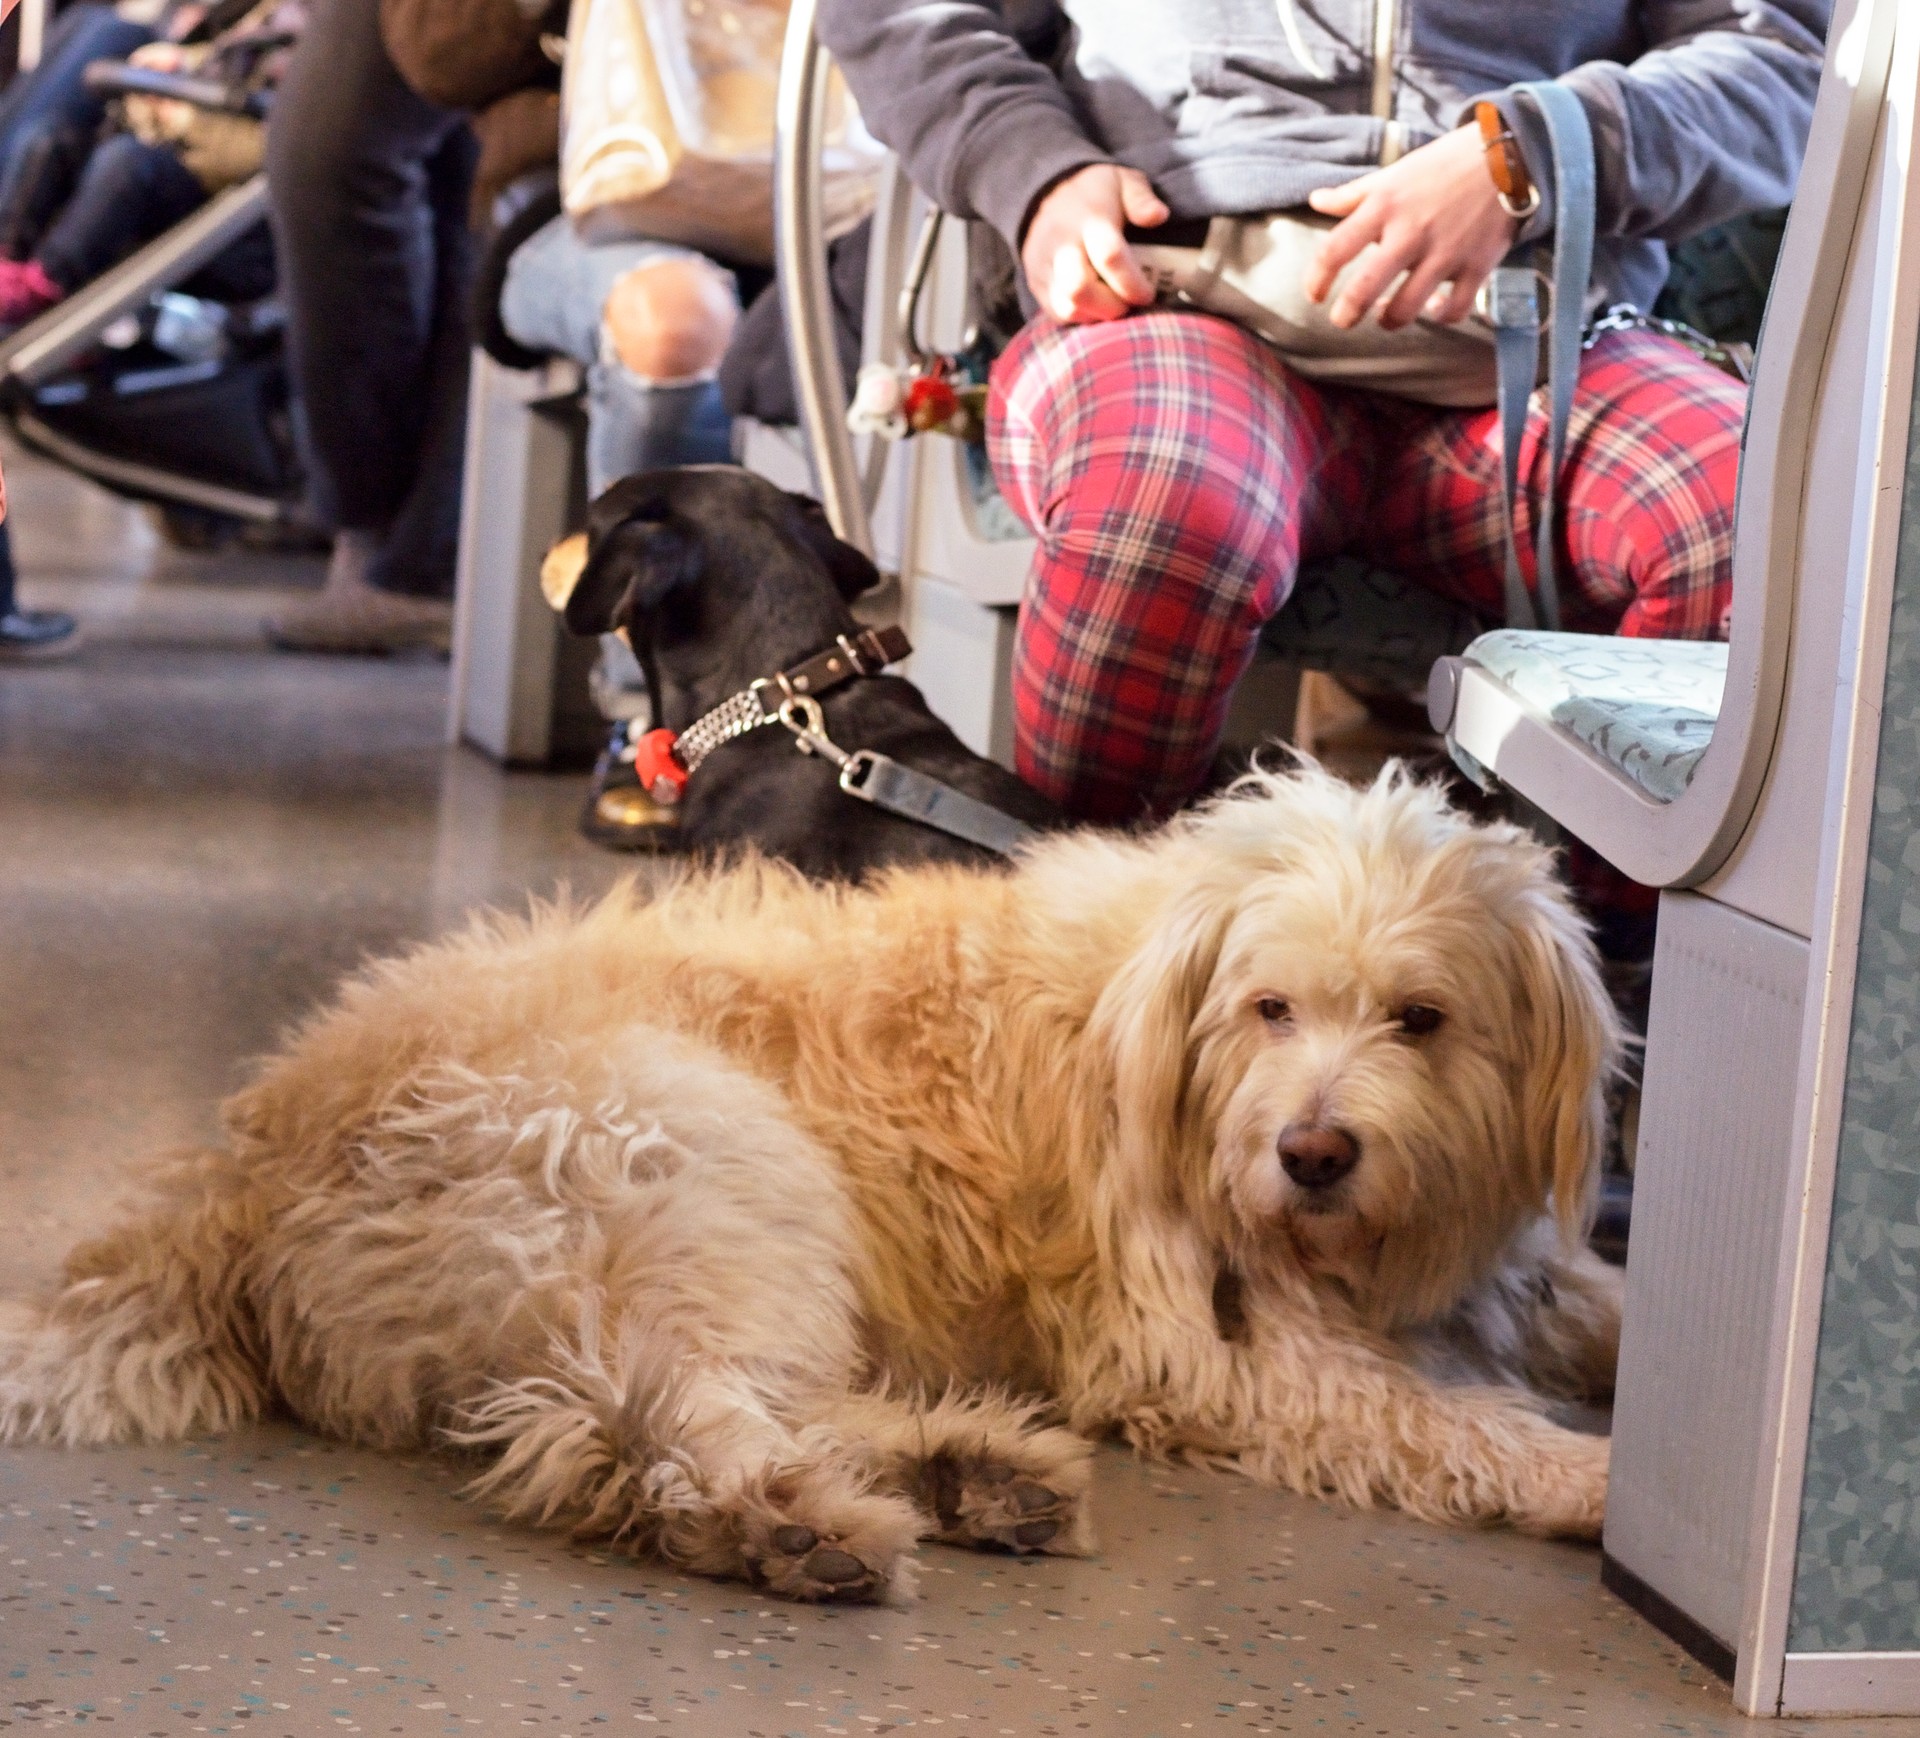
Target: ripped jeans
x=554 y=300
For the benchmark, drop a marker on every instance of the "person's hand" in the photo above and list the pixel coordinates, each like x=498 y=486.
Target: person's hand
x=1434 y=215
x=159 y=57
x=1075 y=255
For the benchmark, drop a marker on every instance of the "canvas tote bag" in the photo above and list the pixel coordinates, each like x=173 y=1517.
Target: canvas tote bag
x=1250 y=270
x=667 y=126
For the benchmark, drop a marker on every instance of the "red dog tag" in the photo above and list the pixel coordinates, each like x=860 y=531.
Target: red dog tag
x=658 y=767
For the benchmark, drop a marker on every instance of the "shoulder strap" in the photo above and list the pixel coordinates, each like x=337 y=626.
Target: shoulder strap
x=1515 y=316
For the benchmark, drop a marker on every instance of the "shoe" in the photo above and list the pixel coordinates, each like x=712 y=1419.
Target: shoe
x=352 y=616
x=37 y=636
x=26 y=292
x=619 y=815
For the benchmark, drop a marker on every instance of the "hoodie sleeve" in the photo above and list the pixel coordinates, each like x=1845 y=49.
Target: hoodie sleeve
x=1708 y=124
x=948 y=85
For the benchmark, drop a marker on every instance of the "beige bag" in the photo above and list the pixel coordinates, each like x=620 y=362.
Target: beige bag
x=667 y=126
x=1250 y=270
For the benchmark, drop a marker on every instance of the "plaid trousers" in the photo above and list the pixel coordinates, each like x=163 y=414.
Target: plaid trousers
x=1176 y=473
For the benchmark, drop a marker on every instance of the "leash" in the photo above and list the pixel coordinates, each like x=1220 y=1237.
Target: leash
x=1512 y=308
x=664 y=760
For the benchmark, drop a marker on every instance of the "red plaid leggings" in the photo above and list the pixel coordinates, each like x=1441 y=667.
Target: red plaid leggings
x=1177 y=473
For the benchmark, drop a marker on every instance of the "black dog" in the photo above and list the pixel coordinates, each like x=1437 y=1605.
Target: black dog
x=719 y=579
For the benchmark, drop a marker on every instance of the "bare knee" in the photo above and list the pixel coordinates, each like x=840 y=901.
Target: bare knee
x=671 y=319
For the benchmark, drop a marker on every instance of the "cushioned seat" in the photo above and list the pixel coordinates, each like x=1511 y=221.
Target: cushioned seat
x=1647 y=707
x=1368 y=625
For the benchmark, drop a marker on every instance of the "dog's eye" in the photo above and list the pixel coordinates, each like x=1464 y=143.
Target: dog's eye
x=1417 y=1019
x=1273 y=1009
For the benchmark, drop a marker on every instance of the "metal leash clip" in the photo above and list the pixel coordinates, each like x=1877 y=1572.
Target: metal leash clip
x=801 y=714
x=855 y=770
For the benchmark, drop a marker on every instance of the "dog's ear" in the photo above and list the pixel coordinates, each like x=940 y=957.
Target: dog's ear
x=1144 y=1022
x=561 y=568
x=1571 y=1039
x=852 y=572
x=627 y=571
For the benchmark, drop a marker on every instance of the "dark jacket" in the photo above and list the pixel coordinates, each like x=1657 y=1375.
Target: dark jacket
x=1700 y=108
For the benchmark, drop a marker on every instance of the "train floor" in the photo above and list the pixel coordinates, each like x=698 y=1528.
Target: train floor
x=196 y=837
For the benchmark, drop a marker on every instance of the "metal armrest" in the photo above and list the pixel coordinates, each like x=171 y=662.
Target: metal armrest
x=800 y=257
x=119 y=78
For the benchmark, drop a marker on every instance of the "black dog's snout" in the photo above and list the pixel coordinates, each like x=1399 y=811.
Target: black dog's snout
x=1316 y=1156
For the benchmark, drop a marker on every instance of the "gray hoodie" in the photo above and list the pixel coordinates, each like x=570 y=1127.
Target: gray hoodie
x=1699 y=107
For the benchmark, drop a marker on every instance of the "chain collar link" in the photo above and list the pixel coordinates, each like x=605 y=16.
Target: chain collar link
x=733 y=717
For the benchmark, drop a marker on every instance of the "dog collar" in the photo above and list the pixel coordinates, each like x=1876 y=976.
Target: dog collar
x=665 y=760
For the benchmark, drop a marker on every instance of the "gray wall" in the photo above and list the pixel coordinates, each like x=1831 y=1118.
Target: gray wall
x=1857 y=1580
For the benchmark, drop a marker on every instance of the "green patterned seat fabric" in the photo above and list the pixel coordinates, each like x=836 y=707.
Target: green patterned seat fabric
x=1362 y=622
x=1646 y=706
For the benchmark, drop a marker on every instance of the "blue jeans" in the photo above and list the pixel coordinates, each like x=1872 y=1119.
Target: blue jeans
x=50 y=110
x=555 y=294
x=128 y=194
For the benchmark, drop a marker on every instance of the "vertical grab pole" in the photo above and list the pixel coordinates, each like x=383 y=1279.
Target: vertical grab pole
x=800 y=262
x=33 y=31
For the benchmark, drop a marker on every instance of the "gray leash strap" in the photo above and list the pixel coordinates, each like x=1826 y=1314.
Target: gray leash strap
x=914 y=796
x=900 y=790
x=1513 y=307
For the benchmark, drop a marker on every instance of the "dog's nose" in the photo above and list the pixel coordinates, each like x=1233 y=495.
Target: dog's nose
x=1316 y=1156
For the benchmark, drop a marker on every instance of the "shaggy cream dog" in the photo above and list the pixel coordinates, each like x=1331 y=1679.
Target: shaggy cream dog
x=765 y=1225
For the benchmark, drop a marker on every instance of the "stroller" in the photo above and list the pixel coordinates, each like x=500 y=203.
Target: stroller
x=165 y=379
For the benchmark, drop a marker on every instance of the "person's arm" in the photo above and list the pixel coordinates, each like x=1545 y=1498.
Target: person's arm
x=1709 y=124
x=947 y=85
x=986 y=132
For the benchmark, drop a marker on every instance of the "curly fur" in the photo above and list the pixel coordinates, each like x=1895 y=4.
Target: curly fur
x=754 y=1226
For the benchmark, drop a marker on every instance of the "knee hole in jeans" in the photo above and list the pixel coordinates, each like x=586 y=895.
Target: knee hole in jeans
x=671 y=320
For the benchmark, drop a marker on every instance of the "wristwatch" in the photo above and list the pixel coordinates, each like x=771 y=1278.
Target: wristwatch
x=1519 y=197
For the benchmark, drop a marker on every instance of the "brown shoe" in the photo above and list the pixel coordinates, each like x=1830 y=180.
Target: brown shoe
x=352 y=617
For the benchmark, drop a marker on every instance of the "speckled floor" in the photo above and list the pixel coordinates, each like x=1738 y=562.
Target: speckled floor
x=196 y=837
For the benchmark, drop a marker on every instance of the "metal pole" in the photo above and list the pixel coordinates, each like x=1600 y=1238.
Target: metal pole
x=800 y=261
x=33 y=32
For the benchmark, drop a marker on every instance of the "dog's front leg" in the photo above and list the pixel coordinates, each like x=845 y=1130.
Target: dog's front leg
x=1573 y=1331
x=1329 y=1414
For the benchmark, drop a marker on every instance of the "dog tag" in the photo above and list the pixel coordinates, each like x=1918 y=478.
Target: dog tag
x=658 y=767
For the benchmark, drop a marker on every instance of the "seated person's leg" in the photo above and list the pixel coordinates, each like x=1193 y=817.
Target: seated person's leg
x=649 y=322
x=1645 y=502
x=129 y=194
x=1174 y=472
x=54 y=93
x=656 y=399
x=38 y=175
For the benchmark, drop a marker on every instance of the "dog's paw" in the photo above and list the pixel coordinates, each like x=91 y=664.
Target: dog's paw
x=1570 y=1499
x=799 y=1563
x=849 y=1548
x=1033 y=1499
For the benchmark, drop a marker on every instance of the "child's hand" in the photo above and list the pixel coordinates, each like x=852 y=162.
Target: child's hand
x=1434 y=216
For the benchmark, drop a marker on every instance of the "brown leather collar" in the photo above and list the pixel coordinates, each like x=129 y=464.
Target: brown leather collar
x=866 y=653
x=769 y=699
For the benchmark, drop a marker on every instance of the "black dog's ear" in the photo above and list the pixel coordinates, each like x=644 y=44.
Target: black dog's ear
x=629 y=569
x=852 y=572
